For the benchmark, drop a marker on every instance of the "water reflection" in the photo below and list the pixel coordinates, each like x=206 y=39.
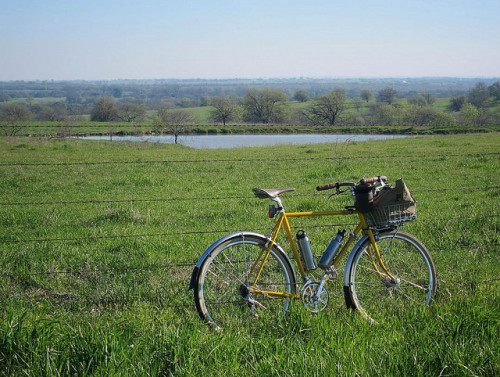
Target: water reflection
x=235 y=141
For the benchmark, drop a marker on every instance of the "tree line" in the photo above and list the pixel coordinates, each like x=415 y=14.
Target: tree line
x=273 y=106
x=77 y=97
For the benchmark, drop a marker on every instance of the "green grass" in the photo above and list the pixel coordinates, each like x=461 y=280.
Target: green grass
x=85 y=128
x=95 y=258
x=441 y=103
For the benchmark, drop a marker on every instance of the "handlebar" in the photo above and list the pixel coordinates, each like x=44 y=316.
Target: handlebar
x=337 y=185
x=365 y=181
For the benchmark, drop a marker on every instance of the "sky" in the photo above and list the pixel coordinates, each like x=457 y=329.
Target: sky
x=154 y=39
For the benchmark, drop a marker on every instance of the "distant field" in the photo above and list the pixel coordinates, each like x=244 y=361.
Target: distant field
x=98 y=240
x=441 y=103
x=39 y=101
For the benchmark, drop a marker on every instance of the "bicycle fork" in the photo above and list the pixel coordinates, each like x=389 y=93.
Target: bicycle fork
x=376 y=256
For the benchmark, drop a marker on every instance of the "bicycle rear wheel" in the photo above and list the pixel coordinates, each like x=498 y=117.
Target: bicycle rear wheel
x=375 y=294
x=223 y=291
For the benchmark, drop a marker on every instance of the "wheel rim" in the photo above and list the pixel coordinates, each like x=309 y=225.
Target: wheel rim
x=224 y=285
x=376 y=295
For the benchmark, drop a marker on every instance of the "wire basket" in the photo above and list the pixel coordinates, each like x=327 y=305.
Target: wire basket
x=393 y=214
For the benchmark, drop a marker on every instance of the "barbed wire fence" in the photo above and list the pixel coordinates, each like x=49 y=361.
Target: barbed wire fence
x=198 y=198
x=179 y=293
x=267 y=159
x=191 y=263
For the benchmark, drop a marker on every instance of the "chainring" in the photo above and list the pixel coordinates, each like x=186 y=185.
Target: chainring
x=313 y=300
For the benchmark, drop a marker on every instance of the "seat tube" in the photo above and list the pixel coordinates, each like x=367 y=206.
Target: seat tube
x=293 y=245
x=271 y=242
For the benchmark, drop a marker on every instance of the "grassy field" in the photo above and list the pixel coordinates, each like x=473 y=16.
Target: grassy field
x=98 y=240
x=84 y=128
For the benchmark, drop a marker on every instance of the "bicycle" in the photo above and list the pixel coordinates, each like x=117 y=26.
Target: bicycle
x=248 y=275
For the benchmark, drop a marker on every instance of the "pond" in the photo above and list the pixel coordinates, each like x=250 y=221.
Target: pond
x=236 y=141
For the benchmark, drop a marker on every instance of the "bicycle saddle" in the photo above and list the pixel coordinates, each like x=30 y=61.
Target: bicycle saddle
x=271 y=193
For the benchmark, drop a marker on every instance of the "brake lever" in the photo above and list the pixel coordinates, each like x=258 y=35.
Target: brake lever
x=338 y=192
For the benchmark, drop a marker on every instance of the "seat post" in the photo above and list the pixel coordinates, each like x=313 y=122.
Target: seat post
x=280 y=205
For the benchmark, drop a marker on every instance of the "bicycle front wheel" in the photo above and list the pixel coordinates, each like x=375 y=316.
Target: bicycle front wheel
x=225 y=292
x=413 y=284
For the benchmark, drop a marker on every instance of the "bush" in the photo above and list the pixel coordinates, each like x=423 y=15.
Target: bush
x=418 y=116
x=441 y=119
x=104 y=110
x=353 y=120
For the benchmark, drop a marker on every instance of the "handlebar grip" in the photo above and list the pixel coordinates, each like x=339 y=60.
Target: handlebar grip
x=328 y=186
x=373 y=179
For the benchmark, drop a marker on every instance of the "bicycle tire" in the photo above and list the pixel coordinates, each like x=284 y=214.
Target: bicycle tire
x=374 y=294
x=222 y=293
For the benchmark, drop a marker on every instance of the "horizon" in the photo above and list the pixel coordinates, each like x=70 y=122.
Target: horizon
x=262 y=78
x=189 y=39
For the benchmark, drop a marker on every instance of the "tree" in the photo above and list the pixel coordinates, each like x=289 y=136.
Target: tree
x=469 y=113
x=427 y=96
x=456 y=103
x=11 y=114
x=494 y=90
x=479 y=95
x=326 y=109
x=224 y=110
x=104 y=110
x=4 y=97
x=52 y=113
x=417 y=101
x=423 y=99
x=204 y=101
x=440 y=119
x=415 y=115
x=131 y=112
x=174 y=122
x=117 y=92
x=301 y=96
x=366 y=94
x=386 y=115
x=387 y=95
x=353 y=119
x=264 y=106
x=72 y=95
x=357 y=103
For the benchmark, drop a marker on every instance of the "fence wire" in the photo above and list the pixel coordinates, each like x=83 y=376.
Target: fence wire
x=221 y=231
x=170 y=266
x=77 y=163
x=199 y=198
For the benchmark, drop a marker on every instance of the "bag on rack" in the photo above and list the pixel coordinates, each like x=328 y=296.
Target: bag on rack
x=393 y=206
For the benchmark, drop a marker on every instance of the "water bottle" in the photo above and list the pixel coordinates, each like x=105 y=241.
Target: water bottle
x=330 y=251
x=305 y=251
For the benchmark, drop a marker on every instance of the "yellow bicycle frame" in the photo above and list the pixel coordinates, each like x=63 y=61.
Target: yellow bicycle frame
x=282 y=221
